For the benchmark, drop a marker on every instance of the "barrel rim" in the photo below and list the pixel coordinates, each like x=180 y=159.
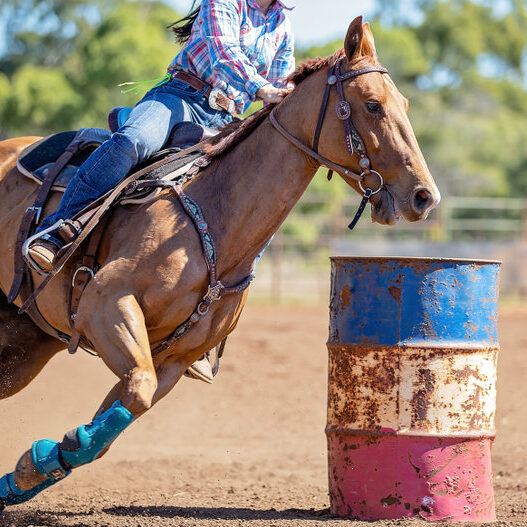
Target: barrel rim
x=416 y=259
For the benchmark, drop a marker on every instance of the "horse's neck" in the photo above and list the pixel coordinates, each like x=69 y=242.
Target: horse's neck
x=248 y=193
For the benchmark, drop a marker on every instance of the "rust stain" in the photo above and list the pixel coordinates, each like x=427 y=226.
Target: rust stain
x=395 y=291
x=345 y=297
x=391 y=500
x=421 y=398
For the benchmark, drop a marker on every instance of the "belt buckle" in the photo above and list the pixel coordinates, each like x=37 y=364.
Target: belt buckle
x=215 y=106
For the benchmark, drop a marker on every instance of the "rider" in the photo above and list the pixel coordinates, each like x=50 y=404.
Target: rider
x=242 y=48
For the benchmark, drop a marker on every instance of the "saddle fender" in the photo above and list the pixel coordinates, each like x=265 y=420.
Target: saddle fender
x=83 y=444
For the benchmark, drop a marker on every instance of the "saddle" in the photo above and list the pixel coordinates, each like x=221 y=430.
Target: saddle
x=53 y=161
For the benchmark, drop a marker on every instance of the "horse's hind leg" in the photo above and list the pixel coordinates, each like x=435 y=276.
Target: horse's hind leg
x=121 y=338
x=24 y=349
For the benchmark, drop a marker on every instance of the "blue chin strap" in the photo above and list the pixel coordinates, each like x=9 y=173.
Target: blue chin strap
x=79 y=446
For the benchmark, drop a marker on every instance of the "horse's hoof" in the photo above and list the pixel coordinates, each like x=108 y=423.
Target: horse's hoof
x=201 y=370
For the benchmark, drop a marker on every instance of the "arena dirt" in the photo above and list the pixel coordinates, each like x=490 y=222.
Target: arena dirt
x=249 y=450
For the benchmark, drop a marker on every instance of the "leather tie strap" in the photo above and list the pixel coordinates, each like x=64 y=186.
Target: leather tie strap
x=365 y=198
x=31 y=218
x=82 y=276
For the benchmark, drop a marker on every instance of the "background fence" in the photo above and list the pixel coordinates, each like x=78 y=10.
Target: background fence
x=296 y=265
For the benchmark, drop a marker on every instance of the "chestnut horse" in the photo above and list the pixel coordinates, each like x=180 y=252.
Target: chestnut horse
x=153 y=273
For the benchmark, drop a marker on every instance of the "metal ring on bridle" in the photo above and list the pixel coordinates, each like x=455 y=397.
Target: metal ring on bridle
x=381 y=180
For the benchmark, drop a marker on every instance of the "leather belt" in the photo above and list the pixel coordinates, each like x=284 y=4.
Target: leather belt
x=218 y=100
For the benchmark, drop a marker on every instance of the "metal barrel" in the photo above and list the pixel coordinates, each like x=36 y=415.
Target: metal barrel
x=412 y=388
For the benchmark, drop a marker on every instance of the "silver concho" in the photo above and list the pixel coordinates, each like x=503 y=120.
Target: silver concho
x=343 y=110
x=215 y=106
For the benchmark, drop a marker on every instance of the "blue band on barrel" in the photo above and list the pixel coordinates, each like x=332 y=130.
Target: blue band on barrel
x=413 y=301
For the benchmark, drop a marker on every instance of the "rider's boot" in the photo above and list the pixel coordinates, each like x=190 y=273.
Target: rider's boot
x=44 y=254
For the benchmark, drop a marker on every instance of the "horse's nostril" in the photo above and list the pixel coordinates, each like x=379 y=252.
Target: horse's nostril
x=422 y=200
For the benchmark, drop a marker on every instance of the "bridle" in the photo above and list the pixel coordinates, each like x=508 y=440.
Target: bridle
x=354 y=142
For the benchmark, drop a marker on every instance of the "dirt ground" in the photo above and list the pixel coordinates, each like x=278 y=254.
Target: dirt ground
x=249 y=450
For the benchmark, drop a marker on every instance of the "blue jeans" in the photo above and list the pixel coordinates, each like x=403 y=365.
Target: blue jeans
x=145 y=132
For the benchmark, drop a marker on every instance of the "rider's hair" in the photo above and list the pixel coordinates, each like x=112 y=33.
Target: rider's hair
x=182 y=28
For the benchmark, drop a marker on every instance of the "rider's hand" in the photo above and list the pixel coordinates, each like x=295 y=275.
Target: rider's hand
x=271 y=95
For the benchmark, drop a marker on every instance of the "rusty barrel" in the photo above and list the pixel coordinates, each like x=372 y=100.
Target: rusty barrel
x=412 y=388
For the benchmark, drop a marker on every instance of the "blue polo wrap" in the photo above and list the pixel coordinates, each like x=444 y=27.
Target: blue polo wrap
x=83 y=444
x=10 y=494
x=55 y=460
x=46 y=458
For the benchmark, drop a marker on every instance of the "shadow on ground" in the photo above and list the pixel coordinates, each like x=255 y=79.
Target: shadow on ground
x=220 y=513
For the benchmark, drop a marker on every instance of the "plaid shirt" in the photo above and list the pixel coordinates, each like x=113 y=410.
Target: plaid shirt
x=237 y=49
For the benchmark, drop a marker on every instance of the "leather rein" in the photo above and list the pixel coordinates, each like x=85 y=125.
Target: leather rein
x=353 y=139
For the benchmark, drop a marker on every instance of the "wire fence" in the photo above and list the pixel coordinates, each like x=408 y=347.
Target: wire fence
x=296 y=265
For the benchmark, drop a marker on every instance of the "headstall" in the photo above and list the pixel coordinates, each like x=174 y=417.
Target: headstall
x=354 y=142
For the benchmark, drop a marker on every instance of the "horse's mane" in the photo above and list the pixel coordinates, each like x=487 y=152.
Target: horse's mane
x=309 y=66
x=237 y=131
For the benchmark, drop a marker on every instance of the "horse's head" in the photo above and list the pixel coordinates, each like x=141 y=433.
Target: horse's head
x=379 y=114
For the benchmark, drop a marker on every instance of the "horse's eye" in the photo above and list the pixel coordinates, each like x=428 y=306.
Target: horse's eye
x=373 y=107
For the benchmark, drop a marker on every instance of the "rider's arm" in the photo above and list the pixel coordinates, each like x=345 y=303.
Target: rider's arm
x=221 y=21
x=284 y=61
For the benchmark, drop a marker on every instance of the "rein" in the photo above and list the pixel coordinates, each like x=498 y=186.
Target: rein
x=353 y=139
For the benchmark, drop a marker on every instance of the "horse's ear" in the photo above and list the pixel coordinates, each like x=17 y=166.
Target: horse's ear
x=359 y=41
x=368 y=42
x=352 y=44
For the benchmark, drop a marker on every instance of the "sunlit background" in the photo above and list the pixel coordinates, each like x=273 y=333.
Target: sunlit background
x=461 y=63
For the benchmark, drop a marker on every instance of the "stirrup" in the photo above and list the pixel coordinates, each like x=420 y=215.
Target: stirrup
x=27 y=244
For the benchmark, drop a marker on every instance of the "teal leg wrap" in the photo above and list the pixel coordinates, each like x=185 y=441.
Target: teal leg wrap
x=80 y=446
x=10 y=494
x=84 y=444
x=46 y=458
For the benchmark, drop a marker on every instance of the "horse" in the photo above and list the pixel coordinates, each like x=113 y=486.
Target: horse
x=152 y=271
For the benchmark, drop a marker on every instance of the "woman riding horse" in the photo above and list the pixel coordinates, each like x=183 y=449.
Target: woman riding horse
x=236 y=51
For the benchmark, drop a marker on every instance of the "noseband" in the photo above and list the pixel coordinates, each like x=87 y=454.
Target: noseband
x=354 y=142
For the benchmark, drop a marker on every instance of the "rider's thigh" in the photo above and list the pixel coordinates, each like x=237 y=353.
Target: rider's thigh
x=149 y=125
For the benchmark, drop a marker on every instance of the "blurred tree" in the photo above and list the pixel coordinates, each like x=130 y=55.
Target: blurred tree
x=130 y=43
x=44 y=32
x=460 y=62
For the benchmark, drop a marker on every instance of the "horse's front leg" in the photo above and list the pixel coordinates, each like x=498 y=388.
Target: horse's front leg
x=120 y=336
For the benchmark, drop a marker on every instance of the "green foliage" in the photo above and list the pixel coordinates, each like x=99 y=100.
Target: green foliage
x=131 y=44
x=40 y=99
x=45 y=32
x=90 y=60
x=401 y=51
x=460 y=62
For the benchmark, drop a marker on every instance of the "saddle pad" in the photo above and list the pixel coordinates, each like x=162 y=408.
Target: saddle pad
x=35 y=161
